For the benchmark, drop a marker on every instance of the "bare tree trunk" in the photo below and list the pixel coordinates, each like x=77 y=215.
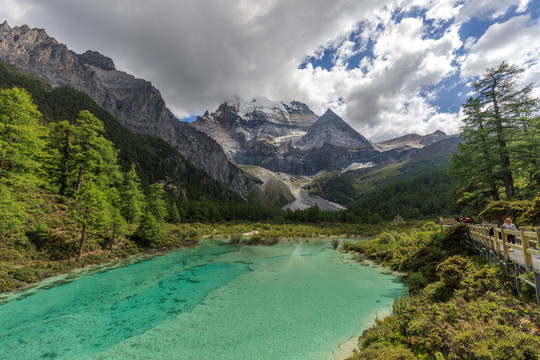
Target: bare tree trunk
x=113 y=236
x=82 y=240
x=507 y=178
x=79 y=179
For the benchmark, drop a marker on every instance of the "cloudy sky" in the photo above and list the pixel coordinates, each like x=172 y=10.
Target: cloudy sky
x=388 y=67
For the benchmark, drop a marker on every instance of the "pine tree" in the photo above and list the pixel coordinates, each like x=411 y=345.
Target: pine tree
x=497 y=127
x=21 y=144
x=474 y=162
x=94 y=157
x=131 y=201
x=174 y=213
x=118 y=226
x=149 y=232
x=60 y=145
x=501 y=105
x=91 y=211
x=155 y=202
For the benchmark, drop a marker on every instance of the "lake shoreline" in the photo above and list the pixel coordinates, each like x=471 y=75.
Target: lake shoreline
x=344 y=350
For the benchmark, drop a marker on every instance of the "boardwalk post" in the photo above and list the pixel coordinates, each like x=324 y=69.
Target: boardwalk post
x=537 y=286
x=495 y=238
x=485 y=237
x=504 y=238
x=518 y=282
x=527 y=258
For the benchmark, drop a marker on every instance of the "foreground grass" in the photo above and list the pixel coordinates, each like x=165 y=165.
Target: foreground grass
x=458 y=307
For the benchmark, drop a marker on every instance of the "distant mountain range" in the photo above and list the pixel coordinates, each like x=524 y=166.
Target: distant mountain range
x=299 y=155
x=287 y=138
x=290 y=138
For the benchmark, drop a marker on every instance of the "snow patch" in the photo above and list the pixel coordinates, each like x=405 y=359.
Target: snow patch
x=356 y=166
x=291 y=136
x=265 y=105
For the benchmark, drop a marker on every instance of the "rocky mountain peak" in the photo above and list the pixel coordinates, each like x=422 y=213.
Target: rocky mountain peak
x=332 y=129
x=284 y=136
x=433 y=137
x=411 y=141
x=95 y=58
x=135 y=103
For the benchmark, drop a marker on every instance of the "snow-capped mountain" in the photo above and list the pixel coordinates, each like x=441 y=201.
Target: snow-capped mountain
x=284 y=137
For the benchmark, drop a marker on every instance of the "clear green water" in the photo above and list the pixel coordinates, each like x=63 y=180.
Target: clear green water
x=290 y=301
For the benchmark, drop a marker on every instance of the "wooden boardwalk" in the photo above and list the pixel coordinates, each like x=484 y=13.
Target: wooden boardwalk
x=524 y=254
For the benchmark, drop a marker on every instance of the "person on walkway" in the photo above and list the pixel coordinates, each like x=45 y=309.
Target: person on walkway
x=509 y=225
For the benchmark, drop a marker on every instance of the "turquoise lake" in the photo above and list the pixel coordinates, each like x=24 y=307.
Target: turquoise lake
x=289 y=301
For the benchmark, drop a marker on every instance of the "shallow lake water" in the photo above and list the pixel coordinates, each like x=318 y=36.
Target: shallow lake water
x=289 y=301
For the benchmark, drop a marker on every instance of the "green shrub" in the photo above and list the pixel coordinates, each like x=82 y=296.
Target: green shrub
x=149 y=233
x=452 y=270
x=39 y=235
x=6 y=285
x=417 y=281
x=386 y=238
x=496 y=210
x=532 y=215
x=454 y=240
x=25 y=274
x=384 y=352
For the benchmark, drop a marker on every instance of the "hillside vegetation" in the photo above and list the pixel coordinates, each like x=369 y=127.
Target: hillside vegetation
x=458 y=307
x=154 y=159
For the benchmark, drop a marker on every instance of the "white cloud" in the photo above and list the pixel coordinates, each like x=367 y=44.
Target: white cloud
x=388 y=101
x=515 y=41
x=200 y=53
x=493 y=9
x=443 y=9
x=12 y=10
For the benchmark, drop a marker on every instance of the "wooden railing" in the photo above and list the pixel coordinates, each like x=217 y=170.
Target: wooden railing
x=527 y=240
x=497 y=249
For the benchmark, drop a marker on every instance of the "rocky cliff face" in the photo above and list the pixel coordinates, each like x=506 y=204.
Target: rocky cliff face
x=284 y=137
x=133 y=102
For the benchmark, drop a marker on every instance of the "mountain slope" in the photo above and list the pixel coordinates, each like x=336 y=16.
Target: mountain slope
x=287 y=190
x=155 y=160
x=135 y=103
x=394 y=165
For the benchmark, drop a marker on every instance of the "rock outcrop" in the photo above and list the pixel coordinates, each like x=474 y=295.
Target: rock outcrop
x=133 y=102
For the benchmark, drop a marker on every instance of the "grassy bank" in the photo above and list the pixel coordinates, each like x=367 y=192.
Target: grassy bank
x=50 y=245
x=458 y=307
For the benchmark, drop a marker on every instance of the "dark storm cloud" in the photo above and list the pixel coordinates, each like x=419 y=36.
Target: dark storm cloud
x=199 y=53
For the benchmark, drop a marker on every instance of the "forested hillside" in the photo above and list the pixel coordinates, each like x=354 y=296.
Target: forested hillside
x=154 y=159
x=346 y=188
x=416 y=197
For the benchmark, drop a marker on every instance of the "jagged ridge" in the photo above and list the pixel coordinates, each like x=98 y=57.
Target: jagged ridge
x=133 y=102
